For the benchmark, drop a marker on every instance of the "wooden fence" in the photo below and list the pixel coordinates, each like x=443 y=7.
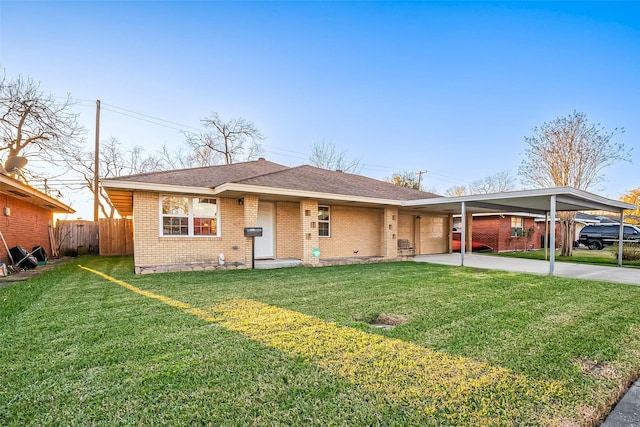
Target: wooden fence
x=77 y=237
x=111 y=236
x=116 y=236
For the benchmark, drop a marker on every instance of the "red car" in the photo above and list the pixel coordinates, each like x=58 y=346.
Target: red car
x=475 y=246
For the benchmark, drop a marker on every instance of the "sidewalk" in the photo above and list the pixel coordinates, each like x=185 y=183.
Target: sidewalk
x=561 y=269
x=626 y=413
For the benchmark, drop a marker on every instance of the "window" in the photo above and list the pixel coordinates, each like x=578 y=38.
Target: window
x=324 y=228
x=517 y=226
x=205 y=212
x=188 y=216
x=175 y=216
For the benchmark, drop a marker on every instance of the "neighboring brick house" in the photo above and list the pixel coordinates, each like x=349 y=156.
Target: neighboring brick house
x=194 y=215
x=26 y=216
x=518 y=231
x=509 y=231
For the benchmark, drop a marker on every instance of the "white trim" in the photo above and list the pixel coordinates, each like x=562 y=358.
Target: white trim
x=245 y=188
x=161 y=188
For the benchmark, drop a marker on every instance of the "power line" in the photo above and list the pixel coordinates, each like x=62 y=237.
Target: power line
x=144 y=120
x=136 y=113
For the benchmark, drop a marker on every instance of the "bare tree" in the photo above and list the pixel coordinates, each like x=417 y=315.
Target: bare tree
x=407 y=179
x=457 y=190
x=114 y=162
x=325 y=155
x=224 y=141
x=569 y=151
x=35 y=124
x=182 y=159
x=497 y=183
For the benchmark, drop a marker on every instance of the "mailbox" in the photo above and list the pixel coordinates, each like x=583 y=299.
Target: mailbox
x=253 y=232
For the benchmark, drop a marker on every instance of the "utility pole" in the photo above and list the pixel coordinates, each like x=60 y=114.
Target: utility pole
x=96 y=190
x=419 y=173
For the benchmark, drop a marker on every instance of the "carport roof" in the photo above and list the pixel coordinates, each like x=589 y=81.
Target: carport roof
x=532 y=201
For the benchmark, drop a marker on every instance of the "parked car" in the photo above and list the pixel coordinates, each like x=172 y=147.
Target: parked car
x=599 y=236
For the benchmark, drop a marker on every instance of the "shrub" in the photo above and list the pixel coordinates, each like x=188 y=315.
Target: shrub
x=630 y=251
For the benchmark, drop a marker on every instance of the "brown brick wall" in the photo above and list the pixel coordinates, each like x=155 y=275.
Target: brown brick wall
x=389 y=233
x=152 y=250
x=26 y=226
x=249 y=212
x=407 y=228
x=369 y=231
x=353 y=229
x=309 y=228
x=434 y=233
x=288 y=233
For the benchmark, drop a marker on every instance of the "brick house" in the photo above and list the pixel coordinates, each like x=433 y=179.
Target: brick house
x=518 y=231
x=197 y=217
x=509 y=231
x=26 y=216
x=191 y=216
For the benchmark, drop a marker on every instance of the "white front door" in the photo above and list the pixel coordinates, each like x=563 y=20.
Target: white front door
x=265 y=244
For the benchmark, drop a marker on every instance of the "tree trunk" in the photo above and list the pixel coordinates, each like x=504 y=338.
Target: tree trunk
x=567 y=219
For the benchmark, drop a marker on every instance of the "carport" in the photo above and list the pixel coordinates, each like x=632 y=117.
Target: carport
x=544 y=201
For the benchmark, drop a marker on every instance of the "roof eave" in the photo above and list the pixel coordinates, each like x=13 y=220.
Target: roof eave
x=154 y=187
x=302 y=194
x=36 y=197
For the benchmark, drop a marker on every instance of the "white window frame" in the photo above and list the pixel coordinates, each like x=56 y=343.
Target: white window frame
x=190 y=217
x=327 y=221
x=521 y=227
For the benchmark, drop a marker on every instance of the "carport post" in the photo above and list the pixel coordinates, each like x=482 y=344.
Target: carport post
x=621 y=237
x=463 y=233
x=552 y=237
x=546 y=236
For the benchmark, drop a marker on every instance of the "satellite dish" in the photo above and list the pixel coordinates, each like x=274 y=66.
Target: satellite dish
x=15 y=163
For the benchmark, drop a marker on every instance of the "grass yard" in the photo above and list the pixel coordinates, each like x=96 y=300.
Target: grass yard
x=606 y=256
x=295 y=347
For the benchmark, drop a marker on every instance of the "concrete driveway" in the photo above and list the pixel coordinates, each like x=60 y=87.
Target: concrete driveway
x=563 y=269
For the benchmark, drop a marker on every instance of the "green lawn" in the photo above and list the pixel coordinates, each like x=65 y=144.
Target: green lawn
x=293 y=347
x=606 y=256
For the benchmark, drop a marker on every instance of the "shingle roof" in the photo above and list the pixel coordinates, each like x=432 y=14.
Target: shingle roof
x=310 y=178
x=268 y=174
x=208 y=177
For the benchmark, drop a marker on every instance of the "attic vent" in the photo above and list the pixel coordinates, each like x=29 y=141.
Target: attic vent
x=17 y=193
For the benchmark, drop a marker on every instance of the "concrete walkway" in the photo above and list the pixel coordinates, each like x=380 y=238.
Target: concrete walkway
x=627 y=412
x=562 y=269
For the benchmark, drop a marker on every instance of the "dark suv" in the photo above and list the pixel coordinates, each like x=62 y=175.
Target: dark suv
x=598 y=236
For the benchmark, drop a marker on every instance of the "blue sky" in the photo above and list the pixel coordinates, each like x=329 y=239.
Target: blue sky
x=447 y=87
